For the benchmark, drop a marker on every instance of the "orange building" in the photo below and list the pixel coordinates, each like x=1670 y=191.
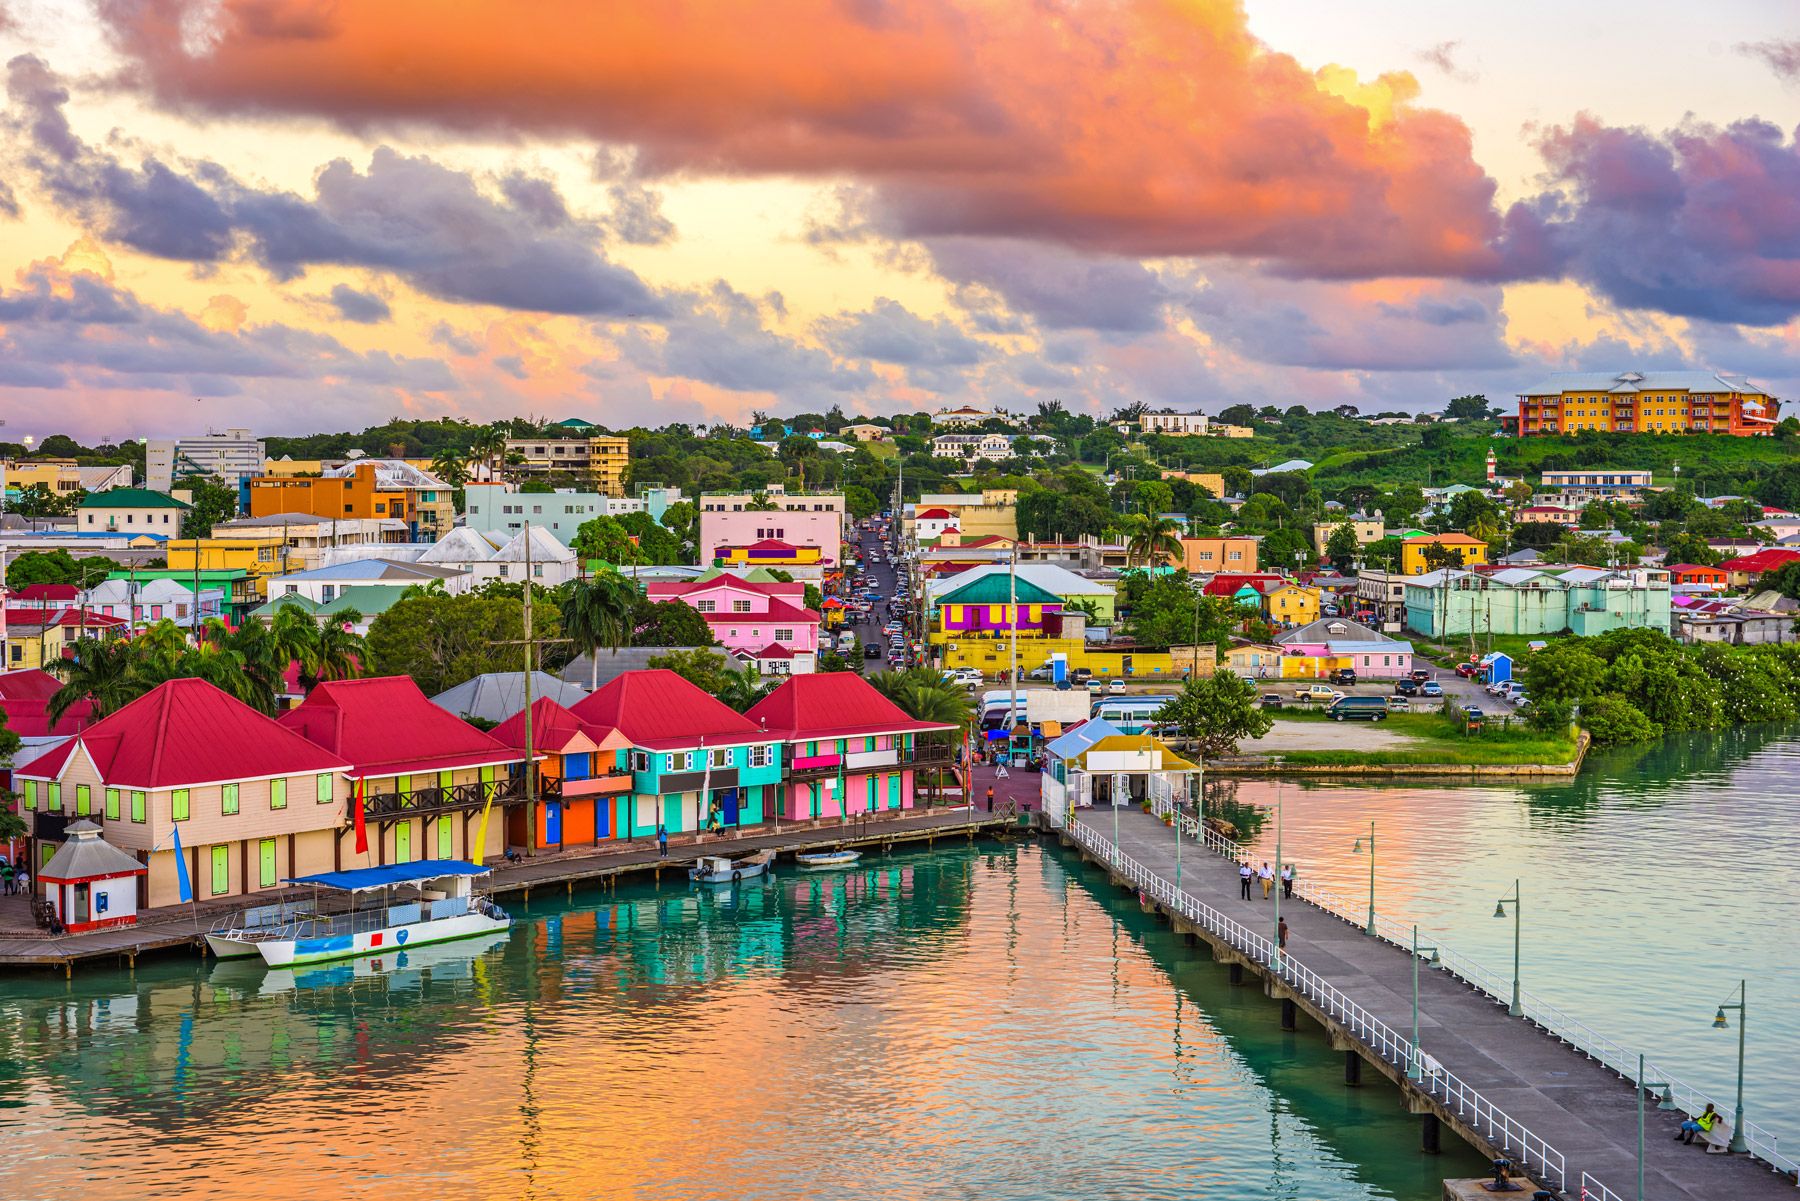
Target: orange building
x=355 y=495
x=1208 y=555
x=1652 y=402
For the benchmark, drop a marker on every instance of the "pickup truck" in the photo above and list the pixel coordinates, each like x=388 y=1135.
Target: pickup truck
x=1317 y=693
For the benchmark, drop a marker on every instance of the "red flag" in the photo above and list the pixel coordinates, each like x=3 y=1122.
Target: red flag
x=362 y=830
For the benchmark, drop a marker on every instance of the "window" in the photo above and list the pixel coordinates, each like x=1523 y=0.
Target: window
x=640 y=761
x=323 y=785
x=705 y=606
x=740 y=606
x=137 y=806
x=760 y=756
x=676 y=763
x=112 y=804
x=31 y=794
x=784 y=635
x=722 y=757
x=178 y=805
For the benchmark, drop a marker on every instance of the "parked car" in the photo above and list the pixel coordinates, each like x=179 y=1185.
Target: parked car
x=1468 y=671
x=1321 y=693
x=1115 y=686
x=1406 y=688
x=1271 y=700
x=1345 y=676
x=1431 y=688
x=1421 y=674
x=1473 y=711
x=1095 y=687
x=1398 y=704
x=1496 y=687
x=1039 y=673
x=1082 y=675
x=1359 y=708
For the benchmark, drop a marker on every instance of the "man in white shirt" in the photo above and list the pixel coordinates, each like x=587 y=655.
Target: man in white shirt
x=1267 y=876
x=1244 y=874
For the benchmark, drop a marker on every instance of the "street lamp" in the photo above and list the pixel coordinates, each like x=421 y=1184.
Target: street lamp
x=1415 y=1070
x=1370 y=928
x=1514 y=1009
x=1277 y=961
x=1742 y=1005
x=1641 y=1086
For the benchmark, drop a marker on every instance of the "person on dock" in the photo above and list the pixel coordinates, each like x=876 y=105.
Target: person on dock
x=1267 y=876
x=1699 y=1125
x=6 y=878
x=1287 y=881
x=1281 y=934
x=662 y=841
x=1245 y=872
x=990 y=798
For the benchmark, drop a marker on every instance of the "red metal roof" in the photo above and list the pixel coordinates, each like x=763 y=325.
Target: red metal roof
x=1228 y=583
x=779 y=610
x=386 y=727
x=833 y=704
x=184 y=733
x=68 y=593
x=25 y=699
x=553 y=728
x=86 y=618
x=1767 y=559
x=660 y=710
x=932 y=515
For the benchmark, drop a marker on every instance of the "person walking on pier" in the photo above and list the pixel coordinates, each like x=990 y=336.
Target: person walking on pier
x=662 y=841
x=1281 y=935
x=1267 y=876
x=1287 y=881
x=1244 y=874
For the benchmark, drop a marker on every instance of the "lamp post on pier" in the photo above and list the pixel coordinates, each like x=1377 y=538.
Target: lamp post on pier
x=1514 y=1009
x=1641 y=1086
x=1415 y=1069
x=1277 y=963
x=1742 y=1005
x=1370 y=928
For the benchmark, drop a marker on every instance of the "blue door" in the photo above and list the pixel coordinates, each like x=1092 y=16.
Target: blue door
x=602 y=817
x=728 y=802
x=553 y=824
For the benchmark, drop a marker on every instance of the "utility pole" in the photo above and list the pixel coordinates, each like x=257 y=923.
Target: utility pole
x=530 y=750
x=1012 y=652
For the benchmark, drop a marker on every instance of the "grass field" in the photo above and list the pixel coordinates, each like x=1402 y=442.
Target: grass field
x=1434 y=739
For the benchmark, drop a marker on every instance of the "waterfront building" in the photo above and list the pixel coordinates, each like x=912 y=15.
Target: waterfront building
x=1463 y=550
x=90 y=884
x=1206 y=556
x=131 y=511
x=765 y=623
x=1646 y=402
x=255 y=803
x=25 y=705
x=232 y=456
x=597 y=462
x=1095 y=763
x=584 y=774
x=1532 y=601
x=846 y=748
x=692 y=758
x=423 y=777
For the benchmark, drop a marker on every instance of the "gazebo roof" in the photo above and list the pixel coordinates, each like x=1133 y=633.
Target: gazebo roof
x=87 y=856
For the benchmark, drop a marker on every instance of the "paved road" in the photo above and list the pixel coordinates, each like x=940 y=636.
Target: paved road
x=1572 y=1102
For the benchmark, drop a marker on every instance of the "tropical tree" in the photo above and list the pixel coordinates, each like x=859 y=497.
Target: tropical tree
x=743 y=687
x=103 y=671
x=597 y=612
x=924 y=695
x=1153 y=540
x=451 y=466
x=1486 y=527
x=1215 y=713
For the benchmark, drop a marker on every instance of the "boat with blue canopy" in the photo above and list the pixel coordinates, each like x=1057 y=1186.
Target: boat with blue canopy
x=419 y=904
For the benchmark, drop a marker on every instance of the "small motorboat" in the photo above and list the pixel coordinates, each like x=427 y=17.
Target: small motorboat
x=716 y=869
x=815 y=861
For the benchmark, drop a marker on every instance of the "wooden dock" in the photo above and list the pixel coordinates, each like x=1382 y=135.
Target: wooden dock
x=176 y=928
x=1506 y=1085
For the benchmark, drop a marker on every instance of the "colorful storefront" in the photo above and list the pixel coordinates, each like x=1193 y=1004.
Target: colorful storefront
x=584 y=775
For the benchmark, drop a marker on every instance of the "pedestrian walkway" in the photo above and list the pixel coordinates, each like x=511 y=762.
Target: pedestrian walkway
x=1526 y=1092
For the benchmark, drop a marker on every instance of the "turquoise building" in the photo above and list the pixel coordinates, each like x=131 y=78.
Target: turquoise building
x=1531 y=601
x=694 y=762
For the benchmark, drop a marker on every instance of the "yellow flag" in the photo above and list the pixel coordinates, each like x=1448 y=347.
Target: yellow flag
x=481 y=831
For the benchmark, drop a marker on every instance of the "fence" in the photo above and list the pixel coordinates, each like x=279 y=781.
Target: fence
x=1539 y=1158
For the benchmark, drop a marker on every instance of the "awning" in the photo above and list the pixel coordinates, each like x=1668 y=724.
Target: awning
x=362 y=879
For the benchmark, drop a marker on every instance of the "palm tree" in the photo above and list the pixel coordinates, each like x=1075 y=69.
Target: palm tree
x=102 y=671
x=924 y=695
x=451 y=466
x=1153 y=540
x=296 y=634
x=597 y=612
x=1485 y=527
x=342 y=651
x=743 y=687
x=489 y=445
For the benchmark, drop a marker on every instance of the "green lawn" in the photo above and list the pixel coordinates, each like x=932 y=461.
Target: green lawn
x=1435 y=739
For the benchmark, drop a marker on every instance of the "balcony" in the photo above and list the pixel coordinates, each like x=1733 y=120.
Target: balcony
x=458 y=798
x=604 y=784
x=925 y=754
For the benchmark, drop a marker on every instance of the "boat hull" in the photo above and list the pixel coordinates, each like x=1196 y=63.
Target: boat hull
x=821 y=863
x=730 y=877
x=224 y=947
x=291 y=952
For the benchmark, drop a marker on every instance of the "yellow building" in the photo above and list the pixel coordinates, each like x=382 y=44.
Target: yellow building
x=1370 y=529
x=1254 y=660
x=599 y=462
x=990 y=656
x=258 y=558
x=1472 y=552
x=1293 y=604
x=1652 y=402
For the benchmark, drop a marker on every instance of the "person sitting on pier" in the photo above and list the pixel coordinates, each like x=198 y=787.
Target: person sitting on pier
x=1698 y=1125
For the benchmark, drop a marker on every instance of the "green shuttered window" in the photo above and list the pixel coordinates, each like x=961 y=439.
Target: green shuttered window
x=178 y=805
x=228 y=800
x=137 y=807
x=112 y=804
x=278 y=794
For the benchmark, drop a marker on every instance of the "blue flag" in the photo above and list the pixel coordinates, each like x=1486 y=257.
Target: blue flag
x=181 y=872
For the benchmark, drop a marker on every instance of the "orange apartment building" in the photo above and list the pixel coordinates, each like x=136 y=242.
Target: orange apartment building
x=1654 y=402
x=425 y=506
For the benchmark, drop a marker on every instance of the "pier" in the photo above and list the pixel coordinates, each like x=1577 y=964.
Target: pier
x=1551 y=1096
x=176 y=928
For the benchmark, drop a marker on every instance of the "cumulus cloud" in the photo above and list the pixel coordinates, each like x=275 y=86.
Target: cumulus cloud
x=1141 y=129
x=1059 y=289
x=425 y=223
x=1699 y=222
x=889 y=332
x=353 y=304
x=1782 y=56
x=725 y=338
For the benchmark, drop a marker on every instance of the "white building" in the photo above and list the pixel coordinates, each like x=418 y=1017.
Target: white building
x=324 y=584
x=312 y=541
x=231 y=456
x=995 y=448
x=499 y=511
x=960 y=418
x=1167 y=421
x=151 y=601
x=485 y=558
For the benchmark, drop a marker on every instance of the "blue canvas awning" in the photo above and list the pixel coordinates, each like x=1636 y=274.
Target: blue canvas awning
x=360 y=879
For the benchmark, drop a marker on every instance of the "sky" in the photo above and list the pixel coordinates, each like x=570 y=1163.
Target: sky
x=314 y=215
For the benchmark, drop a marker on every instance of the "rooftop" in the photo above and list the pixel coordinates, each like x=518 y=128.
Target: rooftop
x=131 y=498
x=660 y=710
x=386 y=727
x=835 y=704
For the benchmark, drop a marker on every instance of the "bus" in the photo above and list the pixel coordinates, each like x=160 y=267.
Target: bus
x=1131 y=714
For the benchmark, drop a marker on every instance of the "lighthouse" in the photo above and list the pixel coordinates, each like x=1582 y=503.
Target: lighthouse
x=1493 y=468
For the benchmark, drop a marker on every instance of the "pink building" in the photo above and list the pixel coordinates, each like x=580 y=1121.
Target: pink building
x=761 y=623
x=849 y=749
x=804 y=544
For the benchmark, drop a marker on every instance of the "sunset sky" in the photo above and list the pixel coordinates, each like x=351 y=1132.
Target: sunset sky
x=300 y=215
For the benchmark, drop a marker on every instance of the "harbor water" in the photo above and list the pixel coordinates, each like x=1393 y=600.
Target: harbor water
x=987 y=1021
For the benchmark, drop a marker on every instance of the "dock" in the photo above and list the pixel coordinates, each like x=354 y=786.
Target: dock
x=1518 y=1088
x=177 y=928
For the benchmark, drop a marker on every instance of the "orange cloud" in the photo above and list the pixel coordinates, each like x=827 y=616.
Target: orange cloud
x=1144 y=128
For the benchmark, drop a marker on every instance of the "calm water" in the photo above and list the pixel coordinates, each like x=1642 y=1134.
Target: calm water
x=980 y=1023
x=1653 y=883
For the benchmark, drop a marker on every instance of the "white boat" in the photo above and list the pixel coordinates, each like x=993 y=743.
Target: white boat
x=716 y=869
x=823 y=860
x=436 y=902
